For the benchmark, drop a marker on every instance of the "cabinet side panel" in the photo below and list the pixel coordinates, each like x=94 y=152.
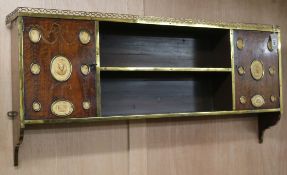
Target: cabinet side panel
x=16 y=86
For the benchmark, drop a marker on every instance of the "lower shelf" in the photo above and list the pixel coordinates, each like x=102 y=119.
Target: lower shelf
x=126 y=93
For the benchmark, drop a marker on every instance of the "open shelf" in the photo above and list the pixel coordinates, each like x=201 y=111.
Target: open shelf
x=166 y=69
x=139 y=93
x=144 y=45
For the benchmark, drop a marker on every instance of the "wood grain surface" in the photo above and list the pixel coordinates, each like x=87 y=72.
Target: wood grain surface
x=152 y=147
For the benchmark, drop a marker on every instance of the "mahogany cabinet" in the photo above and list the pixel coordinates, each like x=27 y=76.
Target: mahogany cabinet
x=75 y=66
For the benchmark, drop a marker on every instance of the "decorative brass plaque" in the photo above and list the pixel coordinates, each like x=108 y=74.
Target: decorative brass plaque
x=85 y=69
x=34 y=35
x=61 y=68
x=257 y=69
x=257 y=101
x=35 y=68
x=36 y=106
x=86 y=105
x=62 y=108
x=241 y=70
x=240 y=43
x=243 y=100
x=273 y=98
x=84 y=37
x=271 y=70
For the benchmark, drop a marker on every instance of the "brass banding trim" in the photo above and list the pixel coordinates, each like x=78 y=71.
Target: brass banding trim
x=134 y=117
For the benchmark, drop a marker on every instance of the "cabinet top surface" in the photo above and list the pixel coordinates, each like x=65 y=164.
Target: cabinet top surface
x=84 y=15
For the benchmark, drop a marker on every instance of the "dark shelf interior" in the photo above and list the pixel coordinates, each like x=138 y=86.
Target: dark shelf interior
x=143 y=45
x=126 y=93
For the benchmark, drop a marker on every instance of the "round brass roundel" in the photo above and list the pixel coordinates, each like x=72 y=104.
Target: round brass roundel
x=241 y=70
x=86 y=105
x=36 y=106
x=257 y=101
x=271 y=70
x=273 y=98
x=35 y=68
x=61 y=68
x=240 y=44
x=62 y=108
x=34 y=35
x=242 y=99
x=257 y=69
x=84 y=37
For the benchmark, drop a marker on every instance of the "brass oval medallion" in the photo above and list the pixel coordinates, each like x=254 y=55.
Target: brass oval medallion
x=84 y=37
x=62 y=108
x=257 y=69
x=35 y=68
x=240 y=43
x=61 y=68
x=257 y=101
x=269 y=45
x=34 y=35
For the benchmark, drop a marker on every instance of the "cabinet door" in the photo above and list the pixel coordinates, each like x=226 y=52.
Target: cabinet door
x=256 y=64
x=59 y=68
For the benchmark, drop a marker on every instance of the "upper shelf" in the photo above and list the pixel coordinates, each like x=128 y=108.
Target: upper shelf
x=166 y=69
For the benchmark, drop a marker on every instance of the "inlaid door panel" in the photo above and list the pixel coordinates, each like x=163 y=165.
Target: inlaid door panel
x=59 y=68
x=256 y=65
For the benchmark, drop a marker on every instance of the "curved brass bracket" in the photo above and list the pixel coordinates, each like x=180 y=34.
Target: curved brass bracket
x=16 y=147
x=265 y=121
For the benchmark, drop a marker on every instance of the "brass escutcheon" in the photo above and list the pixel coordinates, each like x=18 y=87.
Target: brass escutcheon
x=271 y=70
x=61 y=68
x=85 y=69
x=257 y=69
x=241 y=70
x=35 y=68
x=62 y=108
x=240 y=43
x=269 y=45
x=242 y=99
x=273 y=98
x=86 y=105
x=36 y=106
x=84 y=37
x=257 y=101
x=34 y=35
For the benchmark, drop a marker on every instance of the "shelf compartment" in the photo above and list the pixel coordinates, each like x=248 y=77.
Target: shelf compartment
x=166 y=69
x=140 y=93
x=144 y=45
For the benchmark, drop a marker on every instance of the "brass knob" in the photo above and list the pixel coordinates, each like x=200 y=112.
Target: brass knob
x=34 y=35
x=257 y=101
x=242 y=99
x=36 y=106
x=240 y=43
